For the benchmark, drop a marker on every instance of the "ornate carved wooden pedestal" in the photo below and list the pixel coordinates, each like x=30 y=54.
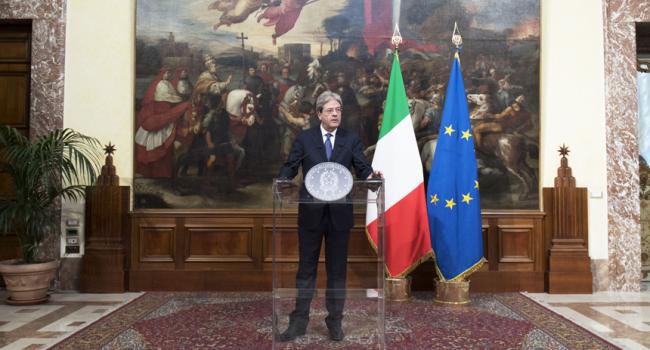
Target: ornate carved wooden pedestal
x=103 y=266
x=569 y=269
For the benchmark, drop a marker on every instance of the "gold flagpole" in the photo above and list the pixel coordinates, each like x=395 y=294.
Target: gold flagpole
x=457 y=40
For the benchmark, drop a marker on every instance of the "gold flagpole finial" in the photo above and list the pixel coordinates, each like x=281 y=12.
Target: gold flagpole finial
x=456 y=39
x=397 y=37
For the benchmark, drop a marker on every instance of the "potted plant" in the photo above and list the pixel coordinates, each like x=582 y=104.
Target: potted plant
x=54 y=166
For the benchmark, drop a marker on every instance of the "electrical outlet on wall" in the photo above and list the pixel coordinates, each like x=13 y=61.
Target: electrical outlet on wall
x=72 y=229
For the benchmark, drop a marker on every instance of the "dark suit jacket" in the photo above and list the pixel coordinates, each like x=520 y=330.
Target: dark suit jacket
x=308 y=150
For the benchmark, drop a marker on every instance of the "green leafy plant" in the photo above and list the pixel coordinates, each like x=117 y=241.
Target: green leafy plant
x=56 y=165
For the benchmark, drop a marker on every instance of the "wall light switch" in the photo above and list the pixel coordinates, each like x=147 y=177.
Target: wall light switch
x=595 y=193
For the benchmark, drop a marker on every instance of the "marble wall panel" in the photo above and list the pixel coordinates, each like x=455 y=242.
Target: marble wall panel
x=624 y=248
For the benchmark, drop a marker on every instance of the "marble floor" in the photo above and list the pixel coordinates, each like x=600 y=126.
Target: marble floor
x=621 y=318
x=40 y=326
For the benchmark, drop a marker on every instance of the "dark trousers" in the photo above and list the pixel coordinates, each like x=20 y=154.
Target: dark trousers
x=336 y=258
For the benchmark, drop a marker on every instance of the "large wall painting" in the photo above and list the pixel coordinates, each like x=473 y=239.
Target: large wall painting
x=223 y=87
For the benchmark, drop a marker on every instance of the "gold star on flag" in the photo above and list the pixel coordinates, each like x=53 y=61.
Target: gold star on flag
x=434 y=199
x=450 y=203
x=466 y=135
x=467 y=198
x=475 y=184
x=449 y=130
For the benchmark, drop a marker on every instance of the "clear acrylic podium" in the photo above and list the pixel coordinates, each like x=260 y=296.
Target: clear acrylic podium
x=363 y=294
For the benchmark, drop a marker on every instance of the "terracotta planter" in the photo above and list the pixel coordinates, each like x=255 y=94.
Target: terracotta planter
x=27 y=284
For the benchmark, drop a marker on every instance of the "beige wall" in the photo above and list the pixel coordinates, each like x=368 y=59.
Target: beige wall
x=573 y=104
x=100 y=75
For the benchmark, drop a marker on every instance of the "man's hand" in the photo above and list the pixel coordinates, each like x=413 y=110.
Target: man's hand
x=377 y=174
x=284 y=183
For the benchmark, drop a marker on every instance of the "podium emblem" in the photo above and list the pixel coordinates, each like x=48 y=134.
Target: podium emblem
x=328 y=181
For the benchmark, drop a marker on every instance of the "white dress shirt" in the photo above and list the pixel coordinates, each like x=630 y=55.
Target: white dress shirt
x=325 y=132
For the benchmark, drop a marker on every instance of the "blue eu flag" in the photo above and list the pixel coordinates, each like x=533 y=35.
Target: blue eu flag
x=453 y=191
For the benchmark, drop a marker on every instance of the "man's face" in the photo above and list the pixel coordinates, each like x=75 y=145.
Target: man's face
x=251 y=71
x=363 y=80
x=212 y=67
x=285 y=73
x=330 y=116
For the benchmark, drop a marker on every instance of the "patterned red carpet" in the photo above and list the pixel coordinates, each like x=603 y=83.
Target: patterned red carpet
x=243 y=321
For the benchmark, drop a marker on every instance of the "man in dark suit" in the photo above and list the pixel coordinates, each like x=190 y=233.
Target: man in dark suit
x=326 y=142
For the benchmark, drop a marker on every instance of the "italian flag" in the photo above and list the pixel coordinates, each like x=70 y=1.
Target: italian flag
x=406 y=226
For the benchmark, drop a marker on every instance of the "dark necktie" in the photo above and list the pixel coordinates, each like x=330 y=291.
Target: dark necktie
x=328 y=146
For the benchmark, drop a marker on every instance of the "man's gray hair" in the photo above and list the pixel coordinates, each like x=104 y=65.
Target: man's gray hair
x=326 y=97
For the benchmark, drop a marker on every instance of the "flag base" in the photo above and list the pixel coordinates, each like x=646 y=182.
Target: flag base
x=398 y=289
x=452 y=293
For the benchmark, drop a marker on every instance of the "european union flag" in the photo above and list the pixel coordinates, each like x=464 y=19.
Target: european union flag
x=452 y=193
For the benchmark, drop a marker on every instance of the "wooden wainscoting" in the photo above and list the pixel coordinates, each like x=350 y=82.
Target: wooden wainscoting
x=219 y=250
x=515 y=251
x=208 y=250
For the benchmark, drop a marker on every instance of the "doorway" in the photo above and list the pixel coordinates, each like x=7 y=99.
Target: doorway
x=15 y=81
x=643 y=95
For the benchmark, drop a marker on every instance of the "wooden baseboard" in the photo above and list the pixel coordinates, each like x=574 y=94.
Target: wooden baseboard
x=570 y=283
x=157 y=280
x=103 y=272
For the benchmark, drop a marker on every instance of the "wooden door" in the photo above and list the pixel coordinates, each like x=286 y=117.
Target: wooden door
x=15 y=78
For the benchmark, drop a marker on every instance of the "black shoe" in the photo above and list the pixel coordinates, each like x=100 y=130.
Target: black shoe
x=292 y=332
x=336 y=332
